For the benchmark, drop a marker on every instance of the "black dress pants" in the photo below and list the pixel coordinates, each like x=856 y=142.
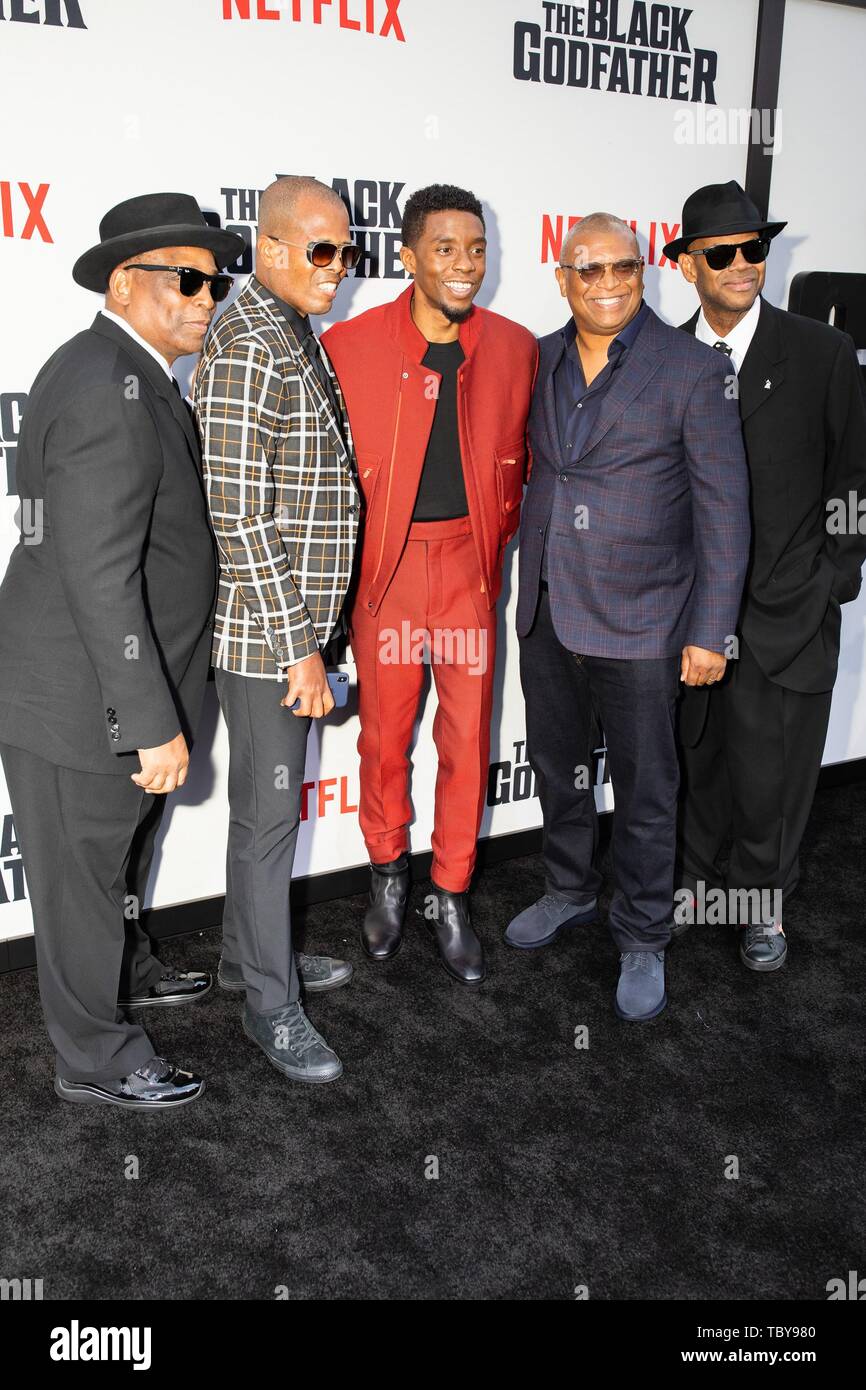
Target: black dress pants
x=750 y=764
x=635 y=702
x=267 y=753
x=87 y=844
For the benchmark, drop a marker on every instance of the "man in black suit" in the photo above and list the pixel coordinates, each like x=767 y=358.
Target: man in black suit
x=751 y=749
x=105 y=628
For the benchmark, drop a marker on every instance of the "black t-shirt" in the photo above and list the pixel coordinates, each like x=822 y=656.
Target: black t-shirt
x=441 y=491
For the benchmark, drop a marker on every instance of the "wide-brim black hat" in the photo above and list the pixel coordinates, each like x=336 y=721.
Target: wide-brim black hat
x=145 y=224
x=719 y=209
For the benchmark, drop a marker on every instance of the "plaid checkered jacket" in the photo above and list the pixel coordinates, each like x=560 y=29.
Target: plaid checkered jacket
x=281 y=490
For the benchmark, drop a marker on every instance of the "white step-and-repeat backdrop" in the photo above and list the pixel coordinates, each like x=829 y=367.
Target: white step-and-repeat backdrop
x=546 y=111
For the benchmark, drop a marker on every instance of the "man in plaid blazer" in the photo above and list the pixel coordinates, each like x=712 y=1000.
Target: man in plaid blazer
x=280 y=480
x=633 y=550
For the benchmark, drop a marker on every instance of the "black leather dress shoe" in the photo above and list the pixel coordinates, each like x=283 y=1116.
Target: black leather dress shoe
x=158 y=1085
x=460 y=951
x=382 y=930
x=175 y=987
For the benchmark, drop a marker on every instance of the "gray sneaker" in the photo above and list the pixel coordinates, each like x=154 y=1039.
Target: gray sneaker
x=318 y=973
x=640 y=994
x=230 y=975
x=541 y=923
x=291 y=1044
x=763 y=946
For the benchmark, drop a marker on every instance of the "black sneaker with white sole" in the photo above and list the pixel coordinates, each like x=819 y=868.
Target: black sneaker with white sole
x=158 y=1085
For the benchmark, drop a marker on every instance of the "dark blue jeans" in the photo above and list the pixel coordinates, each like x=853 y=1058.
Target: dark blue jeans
x=635 y=703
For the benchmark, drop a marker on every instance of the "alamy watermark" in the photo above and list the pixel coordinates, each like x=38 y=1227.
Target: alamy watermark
x=722 y=907
x=438 y=646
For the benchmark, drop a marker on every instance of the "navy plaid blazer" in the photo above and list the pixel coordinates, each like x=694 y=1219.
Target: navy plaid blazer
x=648 y=530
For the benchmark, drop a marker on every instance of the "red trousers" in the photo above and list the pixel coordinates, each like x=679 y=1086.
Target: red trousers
x=435 y=614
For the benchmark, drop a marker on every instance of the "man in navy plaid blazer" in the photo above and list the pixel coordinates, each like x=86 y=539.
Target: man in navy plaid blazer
x=634 y=543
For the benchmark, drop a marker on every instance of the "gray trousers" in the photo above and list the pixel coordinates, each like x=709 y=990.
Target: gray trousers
x=267 y=753
x=87 y=844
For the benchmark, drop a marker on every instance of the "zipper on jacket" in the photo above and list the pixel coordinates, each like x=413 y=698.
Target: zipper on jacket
x=390 y=479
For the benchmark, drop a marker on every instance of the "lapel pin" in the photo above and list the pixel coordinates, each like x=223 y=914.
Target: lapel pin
x=768 y=384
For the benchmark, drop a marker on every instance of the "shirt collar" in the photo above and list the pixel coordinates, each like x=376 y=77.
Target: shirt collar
x=298 y=322
x=740 y=336
x=625 y=338
x=142 y=342
x=633 y=327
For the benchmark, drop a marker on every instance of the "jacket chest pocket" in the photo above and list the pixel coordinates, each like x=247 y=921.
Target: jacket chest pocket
x=510 y=470
x=369 y=468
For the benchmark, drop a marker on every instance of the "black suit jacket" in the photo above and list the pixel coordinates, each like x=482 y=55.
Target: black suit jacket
x=804 y=423
x=106 y=622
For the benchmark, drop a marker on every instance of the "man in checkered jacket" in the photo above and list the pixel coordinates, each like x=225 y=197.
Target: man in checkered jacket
x=280 y=480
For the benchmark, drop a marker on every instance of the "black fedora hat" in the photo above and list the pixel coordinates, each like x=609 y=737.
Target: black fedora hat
x=145 y=224
x=719 y=209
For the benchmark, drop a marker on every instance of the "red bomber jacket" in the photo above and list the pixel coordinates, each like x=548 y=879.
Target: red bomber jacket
x=378 y=360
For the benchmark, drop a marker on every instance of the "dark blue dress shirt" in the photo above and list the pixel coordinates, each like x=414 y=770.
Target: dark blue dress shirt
x=577 y=405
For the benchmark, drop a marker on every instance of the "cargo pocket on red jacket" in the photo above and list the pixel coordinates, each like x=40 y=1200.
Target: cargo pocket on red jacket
x=510 y=468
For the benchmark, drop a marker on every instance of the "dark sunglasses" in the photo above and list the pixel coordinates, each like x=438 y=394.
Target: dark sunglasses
x=591 y=274
x=190 y=281
x=720 y=257
x=321 y=253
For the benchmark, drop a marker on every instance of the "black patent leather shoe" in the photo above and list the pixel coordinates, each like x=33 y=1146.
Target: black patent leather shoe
x=382 y=929
x=460 y=950
x=158 y=1085
x=175 y=987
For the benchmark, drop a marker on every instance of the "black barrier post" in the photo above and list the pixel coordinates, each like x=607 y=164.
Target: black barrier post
x=765 y=96
x=765 y=92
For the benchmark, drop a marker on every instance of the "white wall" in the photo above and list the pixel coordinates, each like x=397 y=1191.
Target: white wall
x=167 y=94
x=819 y=187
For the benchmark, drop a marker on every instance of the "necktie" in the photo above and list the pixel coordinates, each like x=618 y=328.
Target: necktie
x=310 y=346
x=723 y=347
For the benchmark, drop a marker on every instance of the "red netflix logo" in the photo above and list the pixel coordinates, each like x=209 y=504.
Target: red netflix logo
x=330 y=791
x=372 y=16
x=658 y=234
x=21 y=210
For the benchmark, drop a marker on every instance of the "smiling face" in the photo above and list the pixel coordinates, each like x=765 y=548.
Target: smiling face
x=285 y=269
x=448 y=262
x=725 y=293
x=602 y=309
x=152 y=304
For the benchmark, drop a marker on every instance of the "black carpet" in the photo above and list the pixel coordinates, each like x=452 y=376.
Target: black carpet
x=557 y=1167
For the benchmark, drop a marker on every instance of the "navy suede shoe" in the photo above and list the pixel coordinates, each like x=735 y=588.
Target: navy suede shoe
x=542 y=922
x=640 y=994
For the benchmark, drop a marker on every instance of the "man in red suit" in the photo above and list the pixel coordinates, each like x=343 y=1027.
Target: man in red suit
x=438 y=394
